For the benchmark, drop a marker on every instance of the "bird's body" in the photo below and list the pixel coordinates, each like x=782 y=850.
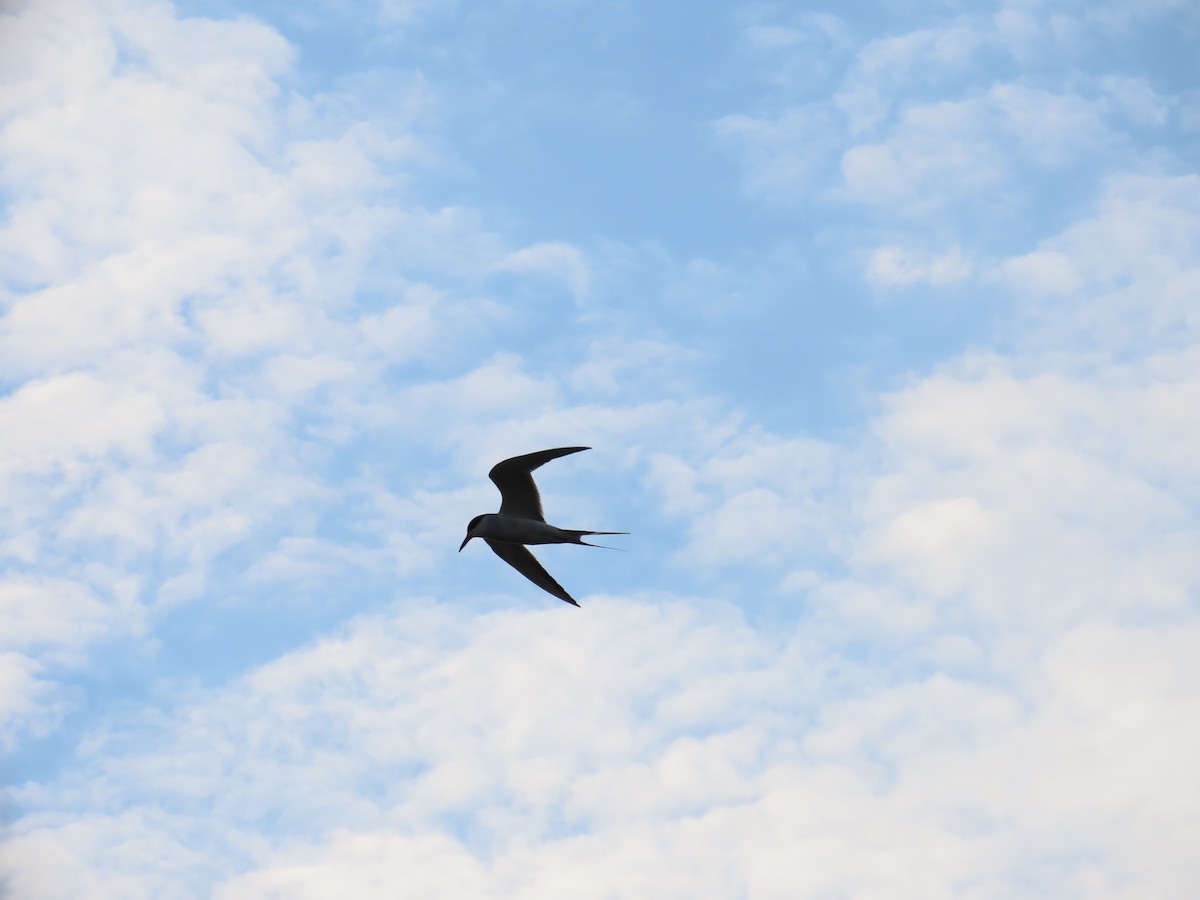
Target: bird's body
x=519 y=530
x=520 y=520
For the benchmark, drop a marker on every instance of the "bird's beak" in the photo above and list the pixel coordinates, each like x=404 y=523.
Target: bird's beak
x=464 y=543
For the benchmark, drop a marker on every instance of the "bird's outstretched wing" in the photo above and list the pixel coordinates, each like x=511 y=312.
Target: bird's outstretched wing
x=519 y=557
x=520 y=495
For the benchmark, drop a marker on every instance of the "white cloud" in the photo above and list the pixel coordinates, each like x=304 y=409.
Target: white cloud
x=1053 y=129
x=799 y=55
x=668 y=750
x=555 y=259
x=1043 y=272
x=614 y=364
x=28 y=704
x=759 y=498
x=38 y=611
x=406 y=330
x=1136 y=257
x=783 y=156
x=1032 y=500
x=186 y=244
x=899 y=267
x=916 y=126
x=57 y=424
x=1136 y=99
x=1051 y=488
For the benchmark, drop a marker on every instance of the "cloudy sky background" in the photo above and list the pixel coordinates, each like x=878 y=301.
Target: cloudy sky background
x=883 y=321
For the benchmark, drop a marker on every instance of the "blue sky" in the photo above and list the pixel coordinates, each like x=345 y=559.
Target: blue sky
x=882 y=321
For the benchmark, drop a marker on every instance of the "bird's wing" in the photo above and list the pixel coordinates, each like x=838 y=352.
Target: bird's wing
x=519 y=557
x=519 y=493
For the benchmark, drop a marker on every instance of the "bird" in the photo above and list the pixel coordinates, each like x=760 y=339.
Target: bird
x=520 y=520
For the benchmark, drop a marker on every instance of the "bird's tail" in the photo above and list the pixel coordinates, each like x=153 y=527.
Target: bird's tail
x=578 y=536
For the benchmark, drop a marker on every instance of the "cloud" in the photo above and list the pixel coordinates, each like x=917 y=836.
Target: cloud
x=39 y=611
x=916 y=125
x=784 y=156
x=947 y=152
x=1052 y=482
x=1043 y=272
x=185 y=238
x=759 y=499
x=900 y=267
x=558 y=260
x=661 y=750
x=613 y=364
x=28 y=705
x=1136 y=255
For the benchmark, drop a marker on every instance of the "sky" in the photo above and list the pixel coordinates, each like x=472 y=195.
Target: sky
x=882 y=321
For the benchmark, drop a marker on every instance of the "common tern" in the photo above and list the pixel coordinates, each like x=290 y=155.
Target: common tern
x=520 y=520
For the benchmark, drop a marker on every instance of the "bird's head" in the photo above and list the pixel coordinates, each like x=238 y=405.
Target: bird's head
x=472 y=531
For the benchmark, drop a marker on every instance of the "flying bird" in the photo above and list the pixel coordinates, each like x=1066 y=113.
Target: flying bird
x=520 y=520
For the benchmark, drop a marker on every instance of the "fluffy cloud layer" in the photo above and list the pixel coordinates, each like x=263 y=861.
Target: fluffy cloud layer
x=947 y=652
x=187 y=243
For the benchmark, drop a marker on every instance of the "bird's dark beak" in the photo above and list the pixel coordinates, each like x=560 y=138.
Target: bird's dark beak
x=464 y=543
